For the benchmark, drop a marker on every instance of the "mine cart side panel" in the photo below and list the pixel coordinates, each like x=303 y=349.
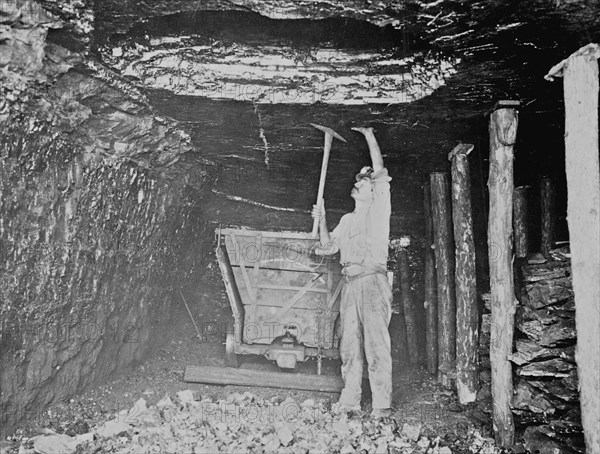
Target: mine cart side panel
x=278 y=297
x=256 y=252
x=281 y=282
x=306 y=312
x=232 y=290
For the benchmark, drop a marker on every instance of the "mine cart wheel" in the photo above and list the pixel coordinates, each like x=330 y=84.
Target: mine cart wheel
x=231 y=358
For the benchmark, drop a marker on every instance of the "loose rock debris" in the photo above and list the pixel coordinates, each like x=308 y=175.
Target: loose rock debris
x=245 y=422
x=149 y=409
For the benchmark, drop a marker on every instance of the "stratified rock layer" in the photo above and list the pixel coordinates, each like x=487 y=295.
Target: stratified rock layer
x=282 y=75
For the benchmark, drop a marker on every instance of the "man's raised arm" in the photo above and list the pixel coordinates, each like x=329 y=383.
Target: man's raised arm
x=374 y=150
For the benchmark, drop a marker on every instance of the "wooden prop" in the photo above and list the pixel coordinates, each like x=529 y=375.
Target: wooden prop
x=503 y=133
x=410 y=317
x=467 y=311
x=430 y=287
x=547 y=210
x=583 y=190
x=520 y=219
x=444 y=263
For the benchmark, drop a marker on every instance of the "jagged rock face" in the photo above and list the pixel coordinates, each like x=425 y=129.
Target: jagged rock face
x=82 y=280
x=94 y=236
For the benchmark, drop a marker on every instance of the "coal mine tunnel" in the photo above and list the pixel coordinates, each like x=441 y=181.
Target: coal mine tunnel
x=161 y=290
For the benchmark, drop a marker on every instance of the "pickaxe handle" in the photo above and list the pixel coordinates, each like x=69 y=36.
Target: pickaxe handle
x=326 y=150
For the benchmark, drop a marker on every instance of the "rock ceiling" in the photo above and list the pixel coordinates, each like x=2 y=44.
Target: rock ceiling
x=423 y=70
x=479 y=51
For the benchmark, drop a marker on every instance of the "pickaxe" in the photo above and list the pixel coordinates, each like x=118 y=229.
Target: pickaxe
x=329 y=135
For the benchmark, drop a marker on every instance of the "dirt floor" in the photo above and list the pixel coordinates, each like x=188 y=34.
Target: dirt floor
x=149 y=409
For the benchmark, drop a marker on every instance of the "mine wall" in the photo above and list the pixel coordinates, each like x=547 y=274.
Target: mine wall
x=92 y=245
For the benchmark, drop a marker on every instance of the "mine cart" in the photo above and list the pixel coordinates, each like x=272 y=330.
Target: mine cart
x=285 y=299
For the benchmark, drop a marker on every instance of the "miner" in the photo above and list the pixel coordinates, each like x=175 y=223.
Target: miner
x=365 y=310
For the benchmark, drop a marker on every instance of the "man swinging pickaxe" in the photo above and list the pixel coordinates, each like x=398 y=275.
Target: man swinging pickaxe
x=362 y=238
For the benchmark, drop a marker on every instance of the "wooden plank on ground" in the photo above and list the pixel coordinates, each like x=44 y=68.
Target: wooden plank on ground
x=245 y=377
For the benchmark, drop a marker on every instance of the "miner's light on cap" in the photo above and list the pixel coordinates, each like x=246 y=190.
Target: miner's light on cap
x=365 y=172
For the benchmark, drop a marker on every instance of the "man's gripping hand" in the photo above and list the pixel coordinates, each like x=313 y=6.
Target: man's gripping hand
x=318 y=212
x=364 y=131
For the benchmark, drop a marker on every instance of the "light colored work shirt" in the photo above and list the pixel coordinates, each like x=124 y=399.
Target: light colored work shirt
x=363 y=235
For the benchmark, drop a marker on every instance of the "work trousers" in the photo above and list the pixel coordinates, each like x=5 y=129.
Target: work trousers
x=365 y=313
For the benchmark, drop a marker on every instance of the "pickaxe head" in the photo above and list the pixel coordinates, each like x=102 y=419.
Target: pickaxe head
x=329 y=131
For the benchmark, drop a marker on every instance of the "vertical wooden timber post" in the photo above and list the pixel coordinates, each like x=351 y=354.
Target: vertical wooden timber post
x=583 y=195
x=520 y=238
x=467 y=311
x=430 y=287
x=444 y=264
x=547 y=210
x=503 y=132
x=520 y=215
x=410 y=318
